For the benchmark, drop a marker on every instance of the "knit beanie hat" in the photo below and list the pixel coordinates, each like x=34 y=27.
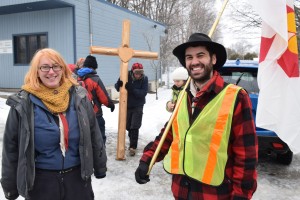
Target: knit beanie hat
x=91 y=62
x=180 y=74
x=137 y=68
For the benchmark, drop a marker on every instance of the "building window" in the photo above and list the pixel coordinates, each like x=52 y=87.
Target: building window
x=26 y=45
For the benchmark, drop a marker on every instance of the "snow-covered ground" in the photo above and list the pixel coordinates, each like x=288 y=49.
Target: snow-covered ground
x=274 y=181
x=120 y=182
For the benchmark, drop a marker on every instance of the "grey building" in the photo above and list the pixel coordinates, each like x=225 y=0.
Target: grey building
x=71 y=27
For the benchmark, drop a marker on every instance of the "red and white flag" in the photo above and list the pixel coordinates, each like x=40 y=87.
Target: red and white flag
x=278 y=106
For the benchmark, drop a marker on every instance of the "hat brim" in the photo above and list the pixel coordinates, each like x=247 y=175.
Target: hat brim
x=217 y=48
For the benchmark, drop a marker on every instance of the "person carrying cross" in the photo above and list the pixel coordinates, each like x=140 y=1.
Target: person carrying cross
x=137 y=87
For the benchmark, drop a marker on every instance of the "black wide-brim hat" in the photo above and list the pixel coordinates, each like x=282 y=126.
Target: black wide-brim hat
x=200 y=39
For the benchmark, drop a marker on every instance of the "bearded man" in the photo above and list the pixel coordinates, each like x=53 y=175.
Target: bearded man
x=211 y=149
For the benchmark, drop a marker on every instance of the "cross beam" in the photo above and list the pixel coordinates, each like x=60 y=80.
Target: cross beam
x=125 y=53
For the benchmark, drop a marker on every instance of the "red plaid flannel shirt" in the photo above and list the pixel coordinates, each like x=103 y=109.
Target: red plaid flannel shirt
x=240 y=173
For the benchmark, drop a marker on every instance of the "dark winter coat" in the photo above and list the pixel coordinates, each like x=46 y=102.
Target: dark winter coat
x=137 y=90
x=18 y=155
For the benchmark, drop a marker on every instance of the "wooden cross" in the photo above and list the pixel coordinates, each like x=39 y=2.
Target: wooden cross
x=125 y=53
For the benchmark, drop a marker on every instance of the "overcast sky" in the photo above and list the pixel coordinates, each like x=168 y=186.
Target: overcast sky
x=228 y=25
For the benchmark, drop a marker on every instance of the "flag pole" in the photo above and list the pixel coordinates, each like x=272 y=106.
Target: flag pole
x=163 y=137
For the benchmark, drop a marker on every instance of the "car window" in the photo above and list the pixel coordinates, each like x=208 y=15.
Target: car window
x=247 y=80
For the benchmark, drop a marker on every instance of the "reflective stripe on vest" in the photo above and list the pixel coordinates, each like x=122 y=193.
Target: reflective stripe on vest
x=200 y=150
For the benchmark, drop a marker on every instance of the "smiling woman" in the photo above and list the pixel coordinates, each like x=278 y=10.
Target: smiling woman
x=48 y=68
x=62 y=118
x=50 y=76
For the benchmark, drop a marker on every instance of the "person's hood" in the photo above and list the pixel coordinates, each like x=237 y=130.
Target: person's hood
x=84 y=71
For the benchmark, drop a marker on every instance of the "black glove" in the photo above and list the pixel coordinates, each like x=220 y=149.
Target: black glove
x=141 y=173
x=99 y=176
x=112 y=107
x=119 y=83
x=128 y=86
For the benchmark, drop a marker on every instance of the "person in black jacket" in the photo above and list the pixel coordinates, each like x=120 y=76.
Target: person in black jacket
x=97 y=92
x=137 y=87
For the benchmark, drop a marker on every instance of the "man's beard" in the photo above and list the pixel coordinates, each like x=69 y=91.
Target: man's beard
x=206 y=74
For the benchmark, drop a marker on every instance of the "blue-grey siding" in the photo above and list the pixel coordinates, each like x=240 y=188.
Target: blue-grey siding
x=57 y=23
x=67 y=26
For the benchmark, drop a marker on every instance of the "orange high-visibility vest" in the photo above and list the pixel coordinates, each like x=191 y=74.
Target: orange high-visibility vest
x=199 y=150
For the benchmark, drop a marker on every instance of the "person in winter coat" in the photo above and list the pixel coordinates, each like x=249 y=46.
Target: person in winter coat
x=179 y=76
x=137 y=87
x=52 y=143
x=211 y=147
x=78 y=66
x=96 y=90
x=75 y=67
x=72 y=67
x=79 y=63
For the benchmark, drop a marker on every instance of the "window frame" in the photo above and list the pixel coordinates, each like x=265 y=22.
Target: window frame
x=28 y=46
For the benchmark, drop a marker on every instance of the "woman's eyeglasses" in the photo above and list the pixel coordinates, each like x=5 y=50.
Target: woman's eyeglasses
x=46 y=68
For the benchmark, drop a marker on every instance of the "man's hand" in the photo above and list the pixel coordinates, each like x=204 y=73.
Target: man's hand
x=141 y=173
